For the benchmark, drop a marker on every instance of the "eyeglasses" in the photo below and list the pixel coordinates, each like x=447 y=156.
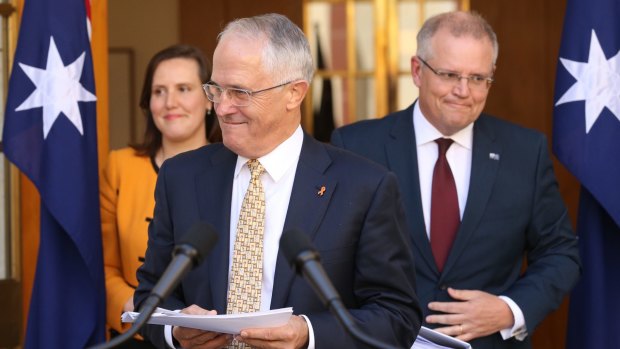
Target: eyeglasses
x=237 y=96
x=475 y=81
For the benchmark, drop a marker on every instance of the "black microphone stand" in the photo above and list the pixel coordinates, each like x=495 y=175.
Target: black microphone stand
x=198 y=242
x=326 y=291
x=146 y=310
x=348 y=322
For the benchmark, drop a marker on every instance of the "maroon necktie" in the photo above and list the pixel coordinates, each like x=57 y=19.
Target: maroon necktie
x=445 y=216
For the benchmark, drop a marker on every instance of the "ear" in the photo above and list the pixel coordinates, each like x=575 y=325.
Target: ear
x=416 y=70
x=297 y=92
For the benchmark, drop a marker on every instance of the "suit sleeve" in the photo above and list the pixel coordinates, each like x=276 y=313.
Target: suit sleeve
x=553 y=257
x=117 y=289
x=384 y=282
x=158 y=255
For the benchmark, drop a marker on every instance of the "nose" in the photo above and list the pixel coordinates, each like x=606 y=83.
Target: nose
x=462 y=87
x=171 y=100
x=224 y=106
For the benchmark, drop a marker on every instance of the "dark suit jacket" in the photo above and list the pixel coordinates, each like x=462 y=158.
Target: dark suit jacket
x=358 y=227
x=513 y=210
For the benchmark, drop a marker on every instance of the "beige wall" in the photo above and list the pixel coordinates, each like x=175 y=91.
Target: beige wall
x=137 y=30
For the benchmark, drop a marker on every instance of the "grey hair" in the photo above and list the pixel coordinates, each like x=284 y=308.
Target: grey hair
x=459 y=23
x=286 y=54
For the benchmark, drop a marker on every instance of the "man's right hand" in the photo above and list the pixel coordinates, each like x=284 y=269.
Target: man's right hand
x=191 y=338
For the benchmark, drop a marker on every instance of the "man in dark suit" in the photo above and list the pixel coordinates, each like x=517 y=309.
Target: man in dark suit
x=497 y=204
x=348 y=206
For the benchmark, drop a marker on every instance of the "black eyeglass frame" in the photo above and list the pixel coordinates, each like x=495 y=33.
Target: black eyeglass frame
x=476 y=80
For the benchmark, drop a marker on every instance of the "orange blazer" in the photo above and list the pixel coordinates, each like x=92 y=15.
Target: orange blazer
x=127 y=198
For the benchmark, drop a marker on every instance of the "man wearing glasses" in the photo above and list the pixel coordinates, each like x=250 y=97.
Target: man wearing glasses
x=267 y=177
x=480 y=194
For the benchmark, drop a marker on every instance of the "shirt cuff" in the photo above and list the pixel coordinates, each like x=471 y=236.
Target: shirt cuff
x=168 y=336
x=518 y=330
x=310 y=332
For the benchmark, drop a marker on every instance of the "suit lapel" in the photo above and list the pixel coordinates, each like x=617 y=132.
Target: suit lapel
x=403 y=160
x=306 y=208
x=486 y=157
x=214 y=207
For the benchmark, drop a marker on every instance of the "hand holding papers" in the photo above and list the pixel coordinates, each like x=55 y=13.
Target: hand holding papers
x=430 y=339
x=227 y=323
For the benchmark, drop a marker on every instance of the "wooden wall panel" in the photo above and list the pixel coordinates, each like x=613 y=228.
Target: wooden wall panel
x=201 y=21
x=529 y=33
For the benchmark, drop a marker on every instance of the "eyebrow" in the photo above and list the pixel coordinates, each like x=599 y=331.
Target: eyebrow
x=457 y=72
x=231 y=86
x=482 y=75
x=183 y=83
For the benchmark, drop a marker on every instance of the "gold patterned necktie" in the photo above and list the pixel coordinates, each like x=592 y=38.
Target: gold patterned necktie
x=246 y=274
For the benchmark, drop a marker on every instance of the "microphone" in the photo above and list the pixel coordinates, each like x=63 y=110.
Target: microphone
x=188 y=253
x=305 y=260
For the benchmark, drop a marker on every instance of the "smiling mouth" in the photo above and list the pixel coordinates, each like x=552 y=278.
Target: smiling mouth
x=232 y=122
x=458 y=105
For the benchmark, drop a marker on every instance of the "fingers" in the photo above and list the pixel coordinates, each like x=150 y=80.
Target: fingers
x=196 y=310
x=448 y=307
x=219 y=341
x=451 y=314
x=199 y=339
x=293 y=334
x=202 y=340
x=478 y=314
x=446 y=319
x=192 y=334
x=463 y=295
x=464 y=301
x=128 y=306
x=263 y=338
x=459 y=331
x=463 y=334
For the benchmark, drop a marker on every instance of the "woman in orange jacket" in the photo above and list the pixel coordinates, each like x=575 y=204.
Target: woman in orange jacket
x=177 y=113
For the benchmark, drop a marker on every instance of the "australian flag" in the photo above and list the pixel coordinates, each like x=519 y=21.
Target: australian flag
x=587 y=141
x=50 y=134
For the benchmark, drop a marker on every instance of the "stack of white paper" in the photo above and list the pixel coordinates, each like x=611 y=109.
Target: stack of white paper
x=227 y=323
x=234 y=323
x=430 y=339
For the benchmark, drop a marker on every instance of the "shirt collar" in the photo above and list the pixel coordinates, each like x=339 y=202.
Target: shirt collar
x=279 y=160
x=425 y=132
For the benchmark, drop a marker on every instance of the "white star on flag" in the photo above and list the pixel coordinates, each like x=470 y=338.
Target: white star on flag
x=598 y=83
x=58 y=90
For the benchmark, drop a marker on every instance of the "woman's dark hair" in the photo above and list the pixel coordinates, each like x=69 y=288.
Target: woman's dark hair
x=152 y=136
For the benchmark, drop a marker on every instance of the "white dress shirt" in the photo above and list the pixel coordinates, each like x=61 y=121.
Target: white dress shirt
x=459 y=157
x=280 y=168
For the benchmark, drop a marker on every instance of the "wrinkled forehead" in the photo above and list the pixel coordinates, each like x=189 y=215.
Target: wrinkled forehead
x=238 y=61
x=462 y=50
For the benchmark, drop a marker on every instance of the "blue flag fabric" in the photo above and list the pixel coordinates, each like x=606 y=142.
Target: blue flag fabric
x=50 y=133
x=594 y=307
x=587 y=110
x=587 y=141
